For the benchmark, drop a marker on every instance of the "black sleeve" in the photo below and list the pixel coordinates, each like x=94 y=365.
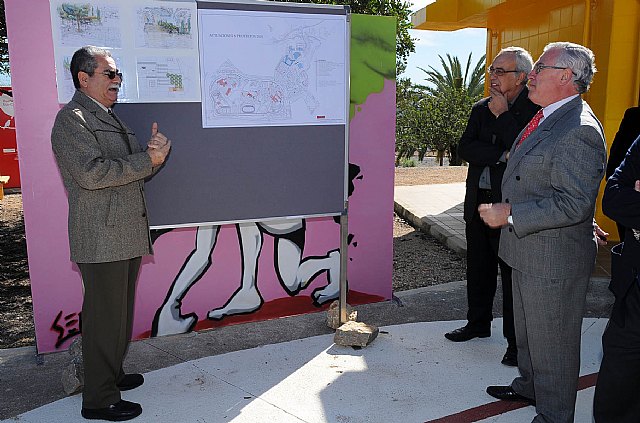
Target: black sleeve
x=627 y=133
x=481 y=143
x=621 y=202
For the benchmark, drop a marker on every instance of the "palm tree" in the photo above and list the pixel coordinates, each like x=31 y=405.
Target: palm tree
x=453 y=78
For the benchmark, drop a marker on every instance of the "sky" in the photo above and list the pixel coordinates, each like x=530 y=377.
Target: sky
x=430 y=44
x=5 y=80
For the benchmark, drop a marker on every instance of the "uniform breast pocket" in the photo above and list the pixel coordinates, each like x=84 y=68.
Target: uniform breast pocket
x=533 y=159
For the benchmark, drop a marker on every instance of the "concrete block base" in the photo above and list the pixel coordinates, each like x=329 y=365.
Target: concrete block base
x=355 y=334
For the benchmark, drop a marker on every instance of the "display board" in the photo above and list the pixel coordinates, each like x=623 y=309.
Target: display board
x=253 y=95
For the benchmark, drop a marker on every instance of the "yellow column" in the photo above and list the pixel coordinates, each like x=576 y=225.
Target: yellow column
x=615 y=40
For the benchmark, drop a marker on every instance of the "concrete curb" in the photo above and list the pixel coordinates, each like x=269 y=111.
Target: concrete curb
x=433 y=227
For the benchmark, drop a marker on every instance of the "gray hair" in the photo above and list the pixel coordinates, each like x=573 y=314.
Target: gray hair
x=84 y=60
x=524 y=61
x=579 y=59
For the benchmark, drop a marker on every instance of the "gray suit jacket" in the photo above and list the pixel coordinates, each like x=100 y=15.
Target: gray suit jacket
x=103 y=170
x=552 y=182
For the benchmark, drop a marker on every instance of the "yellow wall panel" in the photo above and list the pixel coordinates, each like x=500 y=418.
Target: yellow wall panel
x=544 y=25
x=554 y=19
x=577 y=14
x=565 y=16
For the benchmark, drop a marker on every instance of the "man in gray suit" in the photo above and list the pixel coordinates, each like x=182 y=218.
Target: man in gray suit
x=103 y=169
x=549 y=190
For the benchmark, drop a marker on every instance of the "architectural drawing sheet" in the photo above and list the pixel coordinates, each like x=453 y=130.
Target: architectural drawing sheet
x=154 y=43
x=166 y=27
x=272 y=68
x=167 y=79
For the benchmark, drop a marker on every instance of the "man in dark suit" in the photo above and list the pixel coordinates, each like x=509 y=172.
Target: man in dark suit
x=549 y=191
x=493 y=125
x=627 y=133
x=617 y=396
x=103 y=169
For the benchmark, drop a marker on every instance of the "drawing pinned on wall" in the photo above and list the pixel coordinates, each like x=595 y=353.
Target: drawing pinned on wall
x=160 y=34
x=165 y=27
x=82 y=23
x=234 y=94
x=276 y=70
x=168 y=78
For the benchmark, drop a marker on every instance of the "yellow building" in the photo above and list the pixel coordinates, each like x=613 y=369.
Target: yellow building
x=611 y=28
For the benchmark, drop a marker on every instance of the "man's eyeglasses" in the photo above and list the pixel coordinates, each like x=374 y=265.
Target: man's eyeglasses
x=499 y=71
x=540 y=67
x=111 y=74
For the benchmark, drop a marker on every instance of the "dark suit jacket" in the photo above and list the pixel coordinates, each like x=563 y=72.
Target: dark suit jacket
x=552 y=183
x=621 y=202
x=103 y=169
x=627 y=133
x=486 y=139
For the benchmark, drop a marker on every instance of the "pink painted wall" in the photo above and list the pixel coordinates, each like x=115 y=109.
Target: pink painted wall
x=55 y=281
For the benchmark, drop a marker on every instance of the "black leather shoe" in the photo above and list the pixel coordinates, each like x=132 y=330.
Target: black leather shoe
x=506 y=393
x=466 y=333
x=510 y=357
x=130 y=381
x=118 y=412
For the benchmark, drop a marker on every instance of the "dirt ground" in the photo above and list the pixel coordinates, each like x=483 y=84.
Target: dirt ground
x=16 y=313
x=419 y=259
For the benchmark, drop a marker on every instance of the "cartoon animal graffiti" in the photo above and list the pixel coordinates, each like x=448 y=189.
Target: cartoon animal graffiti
x=294 y=272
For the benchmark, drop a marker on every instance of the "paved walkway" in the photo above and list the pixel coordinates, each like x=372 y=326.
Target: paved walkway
x=435 y=209
x=289 y=370
x=411 y=373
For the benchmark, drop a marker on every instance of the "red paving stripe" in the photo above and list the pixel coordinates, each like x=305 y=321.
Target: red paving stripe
x=496 y=408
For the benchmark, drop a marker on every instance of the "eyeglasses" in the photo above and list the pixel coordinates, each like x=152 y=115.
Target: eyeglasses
x=540 y=67
x=111 y=74
x=499 y=71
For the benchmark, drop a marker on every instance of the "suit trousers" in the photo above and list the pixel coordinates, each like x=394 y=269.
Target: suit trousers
x=482 y=275
x=107 y=323
x=617 y=396
x=548 y=320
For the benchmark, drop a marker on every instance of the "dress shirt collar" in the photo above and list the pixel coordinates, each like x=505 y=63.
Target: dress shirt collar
x=546 y=111
x=102 y=106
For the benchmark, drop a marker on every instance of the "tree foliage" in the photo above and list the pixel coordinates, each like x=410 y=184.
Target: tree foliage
x=431 y=120
x=409 y=121
x=472 y=80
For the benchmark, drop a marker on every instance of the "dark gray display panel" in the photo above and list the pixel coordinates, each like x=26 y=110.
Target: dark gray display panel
x=221 y=175
x=234 y=174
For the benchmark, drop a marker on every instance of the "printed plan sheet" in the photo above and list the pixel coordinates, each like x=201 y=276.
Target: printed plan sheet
x=272 y=68
x=247 y=68
x=154 y=44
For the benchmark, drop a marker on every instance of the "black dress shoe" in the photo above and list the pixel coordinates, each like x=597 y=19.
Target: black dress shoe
x=118 y=412
x=130 y=381
x=510 y=357
x=466 y=333
x=506 y=393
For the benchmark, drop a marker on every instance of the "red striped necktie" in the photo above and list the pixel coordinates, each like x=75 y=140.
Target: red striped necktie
x=531 y=126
